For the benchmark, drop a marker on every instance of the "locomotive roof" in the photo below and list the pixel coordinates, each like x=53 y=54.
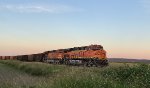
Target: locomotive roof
x=74 y=48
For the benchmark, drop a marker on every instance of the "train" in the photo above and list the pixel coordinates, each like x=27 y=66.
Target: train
x=92 y=55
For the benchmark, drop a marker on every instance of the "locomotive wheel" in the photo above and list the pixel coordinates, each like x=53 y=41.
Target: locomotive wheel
x=89 y=63
x=95 y=63
x=61 y=61
x=67 y=62
x=84 y=63
x=104 y=63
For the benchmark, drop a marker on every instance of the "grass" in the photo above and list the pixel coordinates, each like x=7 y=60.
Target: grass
x=137 y=76
x=35 y=69
x=11 y=78
x=116 y=75
x=125 y=76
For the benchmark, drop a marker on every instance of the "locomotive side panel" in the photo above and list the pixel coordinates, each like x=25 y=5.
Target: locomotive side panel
x=76 y=54
x=100 y=54
x=55 y=55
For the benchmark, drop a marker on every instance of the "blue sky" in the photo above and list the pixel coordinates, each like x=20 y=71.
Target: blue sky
x=32 y=26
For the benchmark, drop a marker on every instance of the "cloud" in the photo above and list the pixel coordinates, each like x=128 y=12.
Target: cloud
x=28 y=8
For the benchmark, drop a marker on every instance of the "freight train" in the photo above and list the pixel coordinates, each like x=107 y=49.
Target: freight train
x=92 y=55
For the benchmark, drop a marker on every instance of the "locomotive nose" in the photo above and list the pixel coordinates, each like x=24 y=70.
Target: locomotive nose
x=101 y=54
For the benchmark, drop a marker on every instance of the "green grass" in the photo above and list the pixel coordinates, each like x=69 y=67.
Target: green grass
x=116 y=75
x=35 y=69
x=137 y=76
x=11 y=78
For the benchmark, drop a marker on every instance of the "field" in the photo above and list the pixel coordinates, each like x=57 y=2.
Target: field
x=16 y=74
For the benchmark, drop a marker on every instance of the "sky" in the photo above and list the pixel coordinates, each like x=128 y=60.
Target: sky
x=122 y=27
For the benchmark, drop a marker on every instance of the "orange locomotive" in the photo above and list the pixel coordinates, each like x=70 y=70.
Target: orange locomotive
x=93 y=55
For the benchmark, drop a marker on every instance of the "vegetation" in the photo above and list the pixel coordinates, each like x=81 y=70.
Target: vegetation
x=35 y=69
x=116 y=75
